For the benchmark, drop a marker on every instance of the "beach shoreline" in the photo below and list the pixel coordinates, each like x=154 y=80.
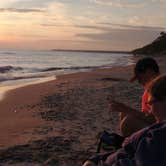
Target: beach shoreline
x=5 y=88
x=72 y=109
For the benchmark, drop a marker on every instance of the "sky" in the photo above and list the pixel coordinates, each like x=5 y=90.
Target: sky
x=121 y=25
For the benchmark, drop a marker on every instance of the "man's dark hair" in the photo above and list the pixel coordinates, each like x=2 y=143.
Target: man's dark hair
x=143 y=65
x=146 y=63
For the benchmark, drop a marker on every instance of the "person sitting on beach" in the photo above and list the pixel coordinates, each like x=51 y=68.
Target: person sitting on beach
x=146 y=146
x=132 y=120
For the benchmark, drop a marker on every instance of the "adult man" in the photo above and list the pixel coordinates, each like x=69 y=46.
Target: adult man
x=146 y=69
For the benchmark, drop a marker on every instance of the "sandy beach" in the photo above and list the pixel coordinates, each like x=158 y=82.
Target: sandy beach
x=57 y=122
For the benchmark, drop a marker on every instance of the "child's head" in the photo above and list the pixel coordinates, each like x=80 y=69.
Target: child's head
x=157 y=97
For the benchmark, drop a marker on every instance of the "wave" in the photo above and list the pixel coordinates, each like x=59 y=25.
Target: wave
x=10 y=78
x=9 y=68
x=12 y=73
x=69 y=68
x=8 y=53
x=5 y=69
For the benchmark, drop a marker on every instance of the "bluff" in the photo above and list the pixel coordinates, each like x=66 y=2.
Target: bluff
x=158 y=46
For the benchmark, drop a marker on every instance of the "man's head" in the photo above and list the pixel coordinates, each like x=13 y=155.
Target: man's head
x=145 y=70
x=157 y=97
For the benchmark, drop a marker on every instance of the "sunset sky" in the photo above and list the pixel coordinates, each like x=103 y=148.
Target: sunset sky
x=80 y=24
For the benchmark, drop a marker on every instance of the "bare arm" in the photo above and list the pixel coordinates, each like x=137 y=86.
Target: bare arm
x=115 y=106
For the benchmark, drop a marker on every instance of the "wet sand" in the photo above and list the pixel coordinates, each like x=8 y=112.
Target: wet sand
x=57 y=122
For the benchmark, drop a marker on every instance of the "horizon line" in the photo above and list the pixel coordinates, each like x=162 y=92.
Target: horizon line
x=102 y=51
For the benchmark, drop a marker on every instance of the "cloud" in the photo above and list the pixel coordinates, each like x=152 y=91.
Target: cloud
x=122 y=39
x=15 y=10
x=118 y=3
x=23 y=3
x=57 y=13
x=104 y=26
x=127 y=3
x=118 y=36
x=163 y=3
x=103 y=30
x=59 y=25
x=129 y=26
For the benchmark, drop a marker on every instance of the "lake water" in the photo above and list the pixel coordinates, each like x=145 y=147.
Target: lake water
x=19 y=68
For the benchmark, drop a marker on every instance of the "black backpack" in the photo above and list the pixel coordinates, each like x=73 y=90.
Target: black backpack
x=109 y=141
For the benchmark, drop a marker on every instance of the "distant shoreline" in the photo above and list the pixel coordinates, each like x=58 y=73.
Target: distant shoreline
x=8 y=51
x=95 y=51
